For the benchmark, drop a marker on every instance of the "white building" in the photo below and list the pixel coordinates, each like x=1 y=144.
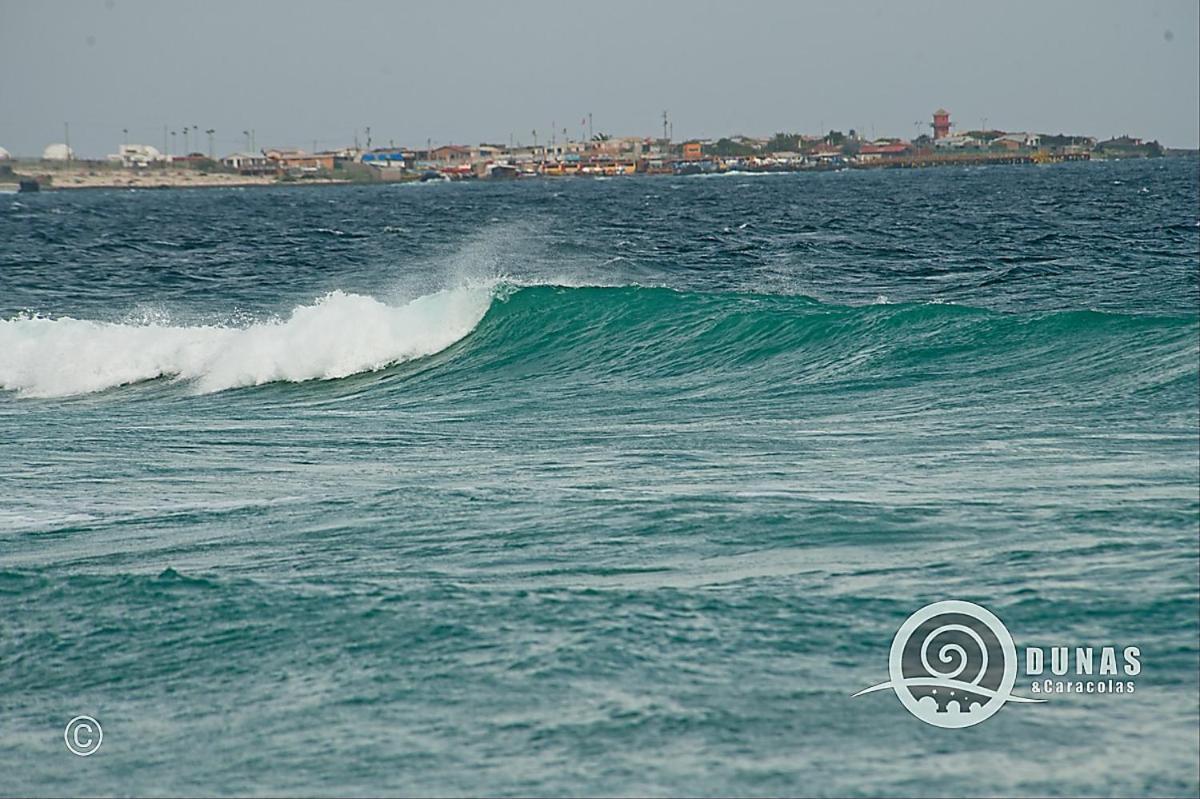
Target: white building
x=488 y=152
x=57 y=152
x=1031 y=141
x=248 y=163
x=137 y=156
x=563 y=150
x=956 y=142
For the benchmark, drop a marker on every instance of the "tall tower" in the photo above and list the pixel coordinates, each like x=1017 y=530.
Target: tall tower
x=941 y=123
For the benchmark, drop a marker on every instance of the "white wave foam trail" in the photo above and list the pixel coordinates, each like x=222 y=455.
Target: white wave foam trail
x=338 y=335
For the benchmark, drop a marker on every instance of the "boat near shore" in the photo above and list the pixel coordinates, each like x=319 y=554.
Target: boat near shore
x=501 y=172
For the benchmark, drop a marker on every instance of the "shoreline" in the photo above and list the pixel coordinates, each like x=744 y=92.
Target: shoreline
x=89 y=178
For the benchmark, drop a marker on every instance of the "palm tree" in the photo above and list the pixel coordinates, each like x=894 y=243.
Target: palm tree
x=210 y=133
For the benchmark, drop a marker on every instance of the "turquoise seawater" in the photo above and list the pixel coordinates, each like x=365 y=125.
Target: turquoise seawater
x=595 y=487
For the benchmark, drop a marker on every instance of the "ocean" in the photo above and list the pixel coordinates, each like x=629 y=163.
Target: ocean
x=621 y=487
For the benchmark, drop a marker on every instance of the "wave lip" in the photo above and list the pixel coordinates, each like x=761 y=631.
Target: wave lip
x=338 y=335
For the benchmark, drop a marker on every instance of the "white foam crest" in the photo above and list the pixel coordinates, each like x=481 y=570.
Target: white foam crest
x=742 y=173
x=338 y=335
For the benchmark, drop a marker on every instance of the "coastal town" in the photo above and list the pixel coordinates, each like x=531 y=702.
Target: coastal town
x=556 y=154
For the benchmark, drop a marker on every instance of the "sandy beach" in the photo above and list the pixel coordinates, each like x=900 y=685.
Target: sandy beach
x=90 y=178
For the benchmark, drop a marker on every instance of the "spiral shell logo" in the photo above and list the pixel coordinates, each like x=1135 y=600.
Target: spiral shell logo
x=953 y=664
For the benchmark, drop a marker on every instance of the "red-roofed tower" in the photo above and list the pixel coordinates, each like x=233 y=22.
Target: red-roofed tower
x=941 y=123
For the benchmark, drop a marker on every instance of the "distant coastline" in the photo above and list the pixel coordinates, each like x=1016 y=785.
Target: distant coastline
x=84 y=175
x=142 y=166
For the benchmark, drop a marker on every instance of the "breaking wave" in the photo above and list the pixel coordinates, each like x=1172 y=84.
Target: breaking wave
x=745 y=347
x=338 y=335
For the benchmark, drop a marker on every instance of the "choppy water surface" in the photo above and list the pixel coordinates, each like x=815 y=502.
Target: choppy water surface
x=615 y=486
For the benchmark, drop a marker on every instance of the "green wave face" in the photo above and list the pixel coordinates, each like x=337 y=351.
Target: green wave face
x=737 y=348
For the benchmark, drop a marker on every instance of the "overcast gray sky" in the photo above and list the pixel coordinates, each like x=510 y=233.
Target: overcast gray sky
x=301 y=71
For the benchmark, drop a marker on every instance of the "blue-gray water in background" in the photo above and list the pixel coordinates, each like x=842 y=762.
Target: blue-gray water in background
x=617 y=486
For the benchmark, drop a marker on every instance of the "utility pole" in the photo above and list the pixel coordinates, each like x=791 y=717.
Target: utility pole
x=665 y=126
x=368 y=137
x=210 y=133
x=172 y=142
x=246 y=133
x=591 y=135
x=185 y=140
x=67 y=139
x=125 y=135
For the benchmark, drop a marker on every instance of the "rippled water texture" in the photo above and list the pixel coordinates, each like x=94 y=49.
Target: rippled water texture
x=613 y=486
